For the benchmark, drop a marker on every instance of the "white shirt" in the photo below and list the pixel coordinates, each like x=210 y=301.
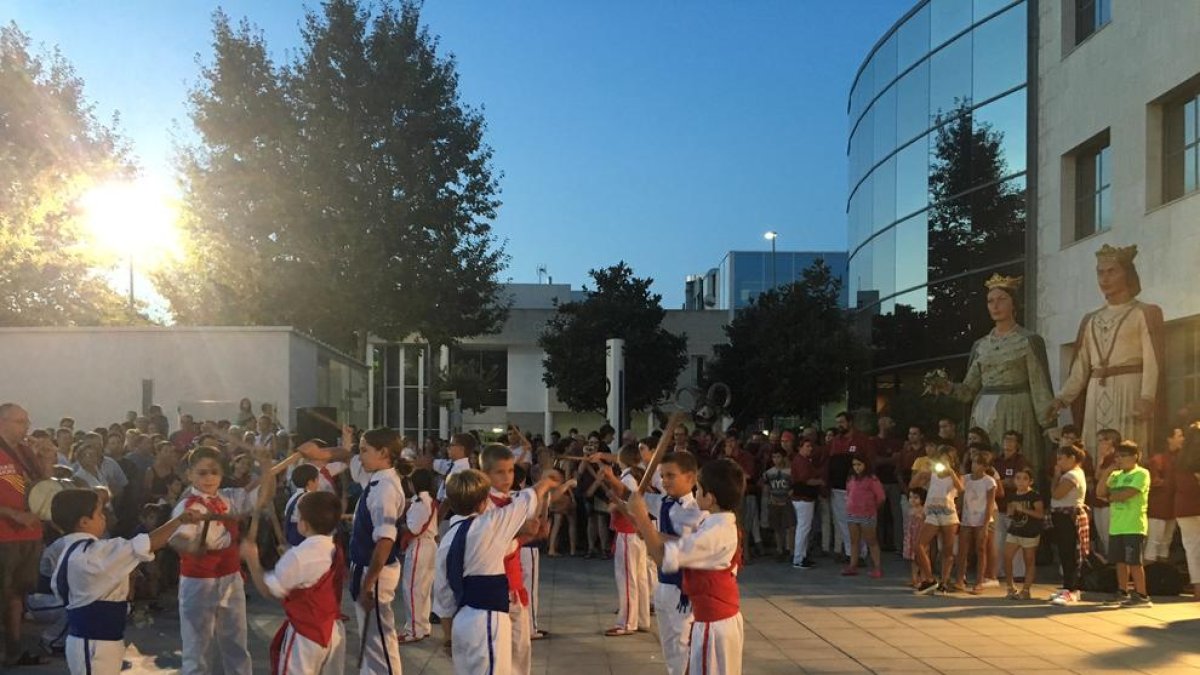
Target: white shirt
x=50 y=557
x=520 y=454
x=449 y=467
x=238 y=502
x=101 y=571
x=711 y=547
x=976 y=500
x=301 y=566
x=419 y=519
x=111 y=475
x=1074 y=498
x=941 y=491
x=685 y=513
x=488 y=541
x=385 y=502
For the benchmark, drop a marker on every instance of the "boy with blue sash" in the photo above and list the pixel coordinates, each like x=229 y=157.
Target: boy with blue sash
x=92 y=579
x=304 y=477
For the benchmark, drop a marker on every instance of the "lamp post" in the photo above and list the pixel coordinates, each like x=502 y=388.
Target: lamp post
x=772 y=235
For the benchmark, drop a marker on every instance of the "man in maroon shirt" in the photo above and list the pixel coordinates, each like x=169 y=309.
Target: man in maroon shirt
x=850 y=443
x=749 y=463
x=885 y=449
x=20 y=530
x=807 y=480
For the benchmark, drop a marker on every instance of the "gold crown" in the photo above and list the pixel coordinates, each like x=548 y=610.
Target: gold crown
x=999 y=281
x=1123 y=255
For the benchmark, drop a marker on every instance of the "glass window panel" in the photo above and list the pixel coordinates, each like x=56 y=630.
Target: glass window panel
x=864 y=89
x=912 y=252
x=865 y=271
x=883 y=115
x=392 y=407
x=986 y=8
x=1173 y=184
x=912 y=177
x=950 y=77
x=883 y=277
x=884 y=69
x=854 y=156
x=1189 y=121
x=392 y=365
x=999 y=54
x=411 y=368
x=884 y=189
x=1191 y=167
x=912 y=103
x=913 y=41
x=864 y=207
x=866 y=141
x=1104 y=209
x=1006 y=121
x=947 y=19
x=852 y=281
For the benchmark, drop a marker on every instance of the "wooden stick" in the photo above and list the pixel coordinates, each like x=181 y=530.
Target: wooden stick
x=664 y=442
x=283 y=464
x=266 y=488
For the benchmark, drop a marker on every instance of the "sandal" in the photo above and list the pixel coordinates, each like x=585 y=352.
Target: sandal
x=1013 y=594
x=539 y=635
x=618 y=632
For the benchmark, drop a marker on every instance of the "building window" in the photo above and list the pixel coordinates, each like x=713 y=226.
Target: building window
x=1181 y=147
x=1091 y=16
x=1093 y=190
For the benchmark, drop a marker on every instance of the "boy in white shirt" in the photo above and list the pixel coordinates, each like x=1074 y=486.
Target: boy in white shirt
x=420 y=542
x=306 y=479
x=629 y=553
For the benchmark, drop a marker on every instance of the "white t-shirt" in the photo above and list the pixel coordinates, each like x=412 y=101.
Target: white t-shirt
x=1075 y=497
x=975 y=499
x=941 y=492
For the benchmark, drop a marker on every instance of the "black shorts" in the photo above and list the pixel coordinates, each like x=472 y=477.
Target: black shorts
x=19 y=562
x=1126 y=548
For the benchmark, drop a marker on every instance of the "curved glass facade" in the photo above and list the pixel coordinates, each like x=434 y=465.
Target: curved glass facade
x=937 y=191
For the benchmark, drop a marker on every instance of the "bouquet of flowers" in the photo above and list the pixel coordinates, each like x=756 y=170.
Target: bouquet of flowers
x=934 y=381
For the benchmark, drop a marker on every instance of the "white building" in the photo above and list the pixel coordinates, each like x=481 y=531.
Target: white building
x=97 y=374
x=1118 y=162
x=400 y=379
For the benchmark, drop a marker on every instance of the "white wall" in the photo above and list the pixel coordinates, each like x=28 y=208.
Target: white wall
x=1109 y=81
x=526 y=389
x=95 y=374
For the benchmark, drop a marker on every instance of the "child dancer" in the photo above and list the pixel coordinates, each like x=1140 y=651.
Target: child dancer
x=420 y=538
x=941 y=516
x=676 y=516
x=709 y=561
x=471 y=592
x=212 y=598
x=629 y=554
x=92 y=579
x=305 y=478
x=864 y=495
x=308 y=579
x=979 y=508
x=1025 y=513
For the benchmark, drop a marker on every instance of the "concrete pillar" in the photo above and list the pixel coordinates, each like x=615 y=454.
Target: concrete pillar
x=443 y=407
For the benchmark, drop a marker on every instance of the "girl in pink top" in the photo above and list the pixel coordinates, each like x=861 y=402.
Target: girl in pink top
x=864 y=495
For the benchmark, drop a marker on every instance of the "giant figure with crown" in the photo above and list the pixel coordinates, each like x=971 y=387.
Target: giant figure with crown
x=1116 y=379
x=1008 y=376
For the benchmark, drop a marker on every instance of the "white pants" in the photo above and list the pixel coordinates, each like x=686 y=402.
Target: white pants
x=481 y=642
x=212 y=615
x=999 y=534
x=381 y=650
x=1102 y=516
x=417 y=586
x=633 y=594
x=651 y=580
x=804 y=520
x=531 y=572
x=1189 y=531
x=717 y=647
x=750 y=518
x=47 y=609
x=300 y=656
x=841 y=526
x=94 y=657
x=522 y=638
x=1158 y=540
x=674 y=628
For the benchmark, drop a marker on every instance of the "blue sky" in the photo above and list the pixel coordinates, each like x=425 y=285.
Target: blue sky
x=660 y=133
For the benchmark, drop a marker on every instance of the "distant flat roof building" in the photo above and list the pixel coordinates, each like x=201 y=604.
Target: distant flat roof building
x=743 y=275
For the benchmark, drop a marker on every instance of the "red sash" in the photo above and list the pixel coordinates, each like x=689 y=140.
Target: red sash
x=714 y=593
x=312 y=612
x=324 y=471
x=622 y=524
x=212 y=564
x=512 y=562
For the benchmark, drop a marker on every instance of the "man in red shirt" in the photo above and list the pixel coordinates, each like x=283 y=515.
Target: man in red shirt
x=850 y=443
x=20 y=530
x=807 y=480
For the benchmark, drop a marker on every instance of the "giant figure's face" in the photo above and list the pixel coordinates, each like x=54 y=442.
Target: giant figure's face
x=1000 y=305
x=1111 y=278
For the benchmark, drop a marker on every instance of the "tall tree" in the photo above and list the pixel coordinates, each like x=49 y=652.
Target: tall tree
x=347 y=192
x=790 y=351
x=621 y=306
x=52 y=150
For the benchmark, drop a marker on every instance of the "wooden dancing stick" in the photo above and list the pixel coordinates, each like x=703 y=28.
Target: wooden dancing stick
x=664 y=442
x=266 y=488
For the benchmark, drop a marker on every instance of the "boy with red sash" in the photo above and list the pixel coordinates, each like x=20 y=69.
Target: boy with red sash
x=92 y=579
x=419 y=540
x=471 y=588
x=212 y=597
x=308 y=578
x=709 y=560
x=629 y=551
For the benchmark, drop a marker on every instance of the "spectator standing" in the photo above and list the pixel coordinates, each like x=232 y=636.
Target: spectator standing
x=183 y=438
x=20 y=530
x=749 y=463
x=245 y=413
x=849 y=444
x=1126 y=486
x=1069 y=520
x=1186 y=489
x=1161 y=502
x=1008 y=465
x=1107 y=441
x=807 y=482
x=885 y=452
x=864 y=497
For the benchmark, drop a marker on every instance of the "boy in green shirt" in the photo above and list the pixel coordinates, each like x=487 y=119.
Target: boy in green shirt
x=1126 y=486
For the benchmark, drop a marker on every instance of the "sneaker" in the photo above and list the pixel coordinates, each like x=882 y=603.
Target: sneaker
x=876 y=574
x=1137 y=601
x=1118 y=599
x=1065 y=598
x=926 y=588
x=990 y=583
x=1055 y=594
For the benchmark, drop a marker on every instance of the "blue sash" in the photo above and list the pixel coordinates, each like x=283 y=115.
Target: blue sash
x=100 y=620
x=292 y=532
x=362 y=536
x=667 y=527
x=485 y=592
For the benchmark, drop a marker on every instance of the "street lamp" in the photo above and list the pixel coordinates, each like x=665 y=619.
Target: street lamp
x=772 y=235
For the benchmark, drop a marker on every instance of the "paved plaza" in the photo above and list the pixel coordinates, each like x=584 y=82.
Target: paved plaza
x=802 y=621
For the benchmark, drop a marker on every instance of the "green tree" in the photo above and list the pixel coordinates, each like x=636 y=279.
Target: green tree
x=790 y=351
x=621 y=306
x=471 y=383
x=52 y=150
x=347 y=192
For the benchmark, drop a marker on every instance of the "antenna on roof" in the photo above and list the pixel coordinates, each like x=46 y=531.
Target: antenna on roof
x=542 y=273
